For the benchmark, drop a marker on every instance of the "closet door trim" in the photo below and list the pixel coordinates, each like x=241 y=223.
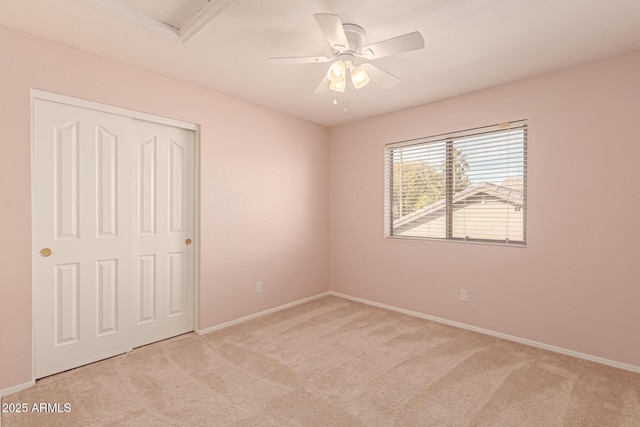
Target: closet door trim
x=90 y=105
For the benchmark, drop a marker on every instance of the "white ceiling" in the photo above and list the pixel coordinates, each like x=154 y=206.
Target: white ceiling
x=470 y=44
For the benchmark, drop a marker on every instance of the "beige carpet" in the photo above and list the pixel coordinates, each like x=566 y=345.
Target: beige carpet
x=333 y=362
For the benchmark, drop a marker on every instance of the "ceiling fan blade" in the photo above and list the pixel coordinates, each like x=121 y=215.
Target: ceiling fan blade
x=380 y=76
x=400 y=44
x=300 y=59
x=331 y=26
x=323 y=87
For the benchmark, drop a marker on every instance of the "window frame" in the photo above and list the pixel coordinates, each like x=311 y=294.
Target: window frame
x=448 y=139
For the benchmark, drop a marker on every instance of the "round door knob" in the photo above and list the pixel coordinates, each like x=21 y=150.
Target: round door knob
x=187 y=242
x=45 y=252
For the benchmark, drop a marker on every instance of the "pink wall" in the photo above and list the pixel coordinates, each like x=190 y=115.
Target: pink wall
x=576 y=284
x=264 y=201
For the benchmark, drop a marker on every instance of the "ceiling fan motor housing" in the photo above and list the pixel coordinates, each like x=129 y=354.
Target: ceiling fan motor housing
x=348 y=59
x=355 y=36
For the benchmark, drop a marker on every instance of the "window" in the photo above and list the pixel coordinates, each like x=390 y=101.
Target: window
x=464 y=186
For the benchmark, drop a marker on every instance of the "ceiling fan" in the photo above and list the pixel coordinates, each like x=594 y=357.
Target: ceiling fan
x=349 y=52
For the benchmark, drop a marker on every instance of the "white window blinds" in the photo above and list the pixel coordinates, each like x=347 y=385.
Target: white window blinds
x=467 y=186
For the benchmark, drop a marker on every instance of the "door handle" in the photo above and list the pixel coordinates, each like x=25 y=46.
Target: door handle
x=45 y=252
x=187 y=242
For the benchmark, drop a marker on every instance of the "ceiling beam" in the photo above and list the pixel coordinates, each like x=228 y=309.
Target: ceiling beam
x=206 y=15
x=134 y=17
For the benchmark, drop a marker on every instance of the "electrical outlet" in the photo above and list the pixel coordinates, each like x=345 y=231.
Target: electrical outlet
x=464 y=295
x=258 y=287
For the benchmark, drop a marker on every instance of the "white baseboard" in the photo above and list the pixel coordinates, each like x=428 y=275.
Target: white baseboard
x=16 y=388
x=260 y=314
x=525 y=341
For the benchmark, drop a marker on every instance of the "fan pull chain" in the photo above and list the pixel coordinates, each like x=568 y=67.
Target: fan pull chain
x=345 y=96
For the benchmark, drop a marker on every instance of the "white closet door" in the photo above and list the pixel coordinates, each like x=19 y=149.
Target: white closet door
x=113 y=223
x=82 y=234
x=162 y=243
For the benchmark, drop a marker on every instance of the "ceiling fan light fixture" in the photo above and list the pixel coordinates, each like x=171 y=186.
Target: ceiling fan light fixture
x=337 y=72
x=359 y=77
x=338 y=86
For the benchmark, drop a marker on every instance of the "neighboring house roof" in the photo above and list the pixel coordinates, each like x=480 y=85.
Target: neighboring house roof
x=511 y=191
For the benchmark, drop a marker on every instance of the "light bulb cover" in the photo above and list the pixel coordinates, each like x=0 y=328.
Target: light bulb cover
x=336 y=72
x=359 y=77
x=338 y=86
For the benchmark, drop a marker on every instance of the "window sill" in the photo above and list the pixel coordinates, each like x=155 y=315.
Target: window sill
x=468 y=242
